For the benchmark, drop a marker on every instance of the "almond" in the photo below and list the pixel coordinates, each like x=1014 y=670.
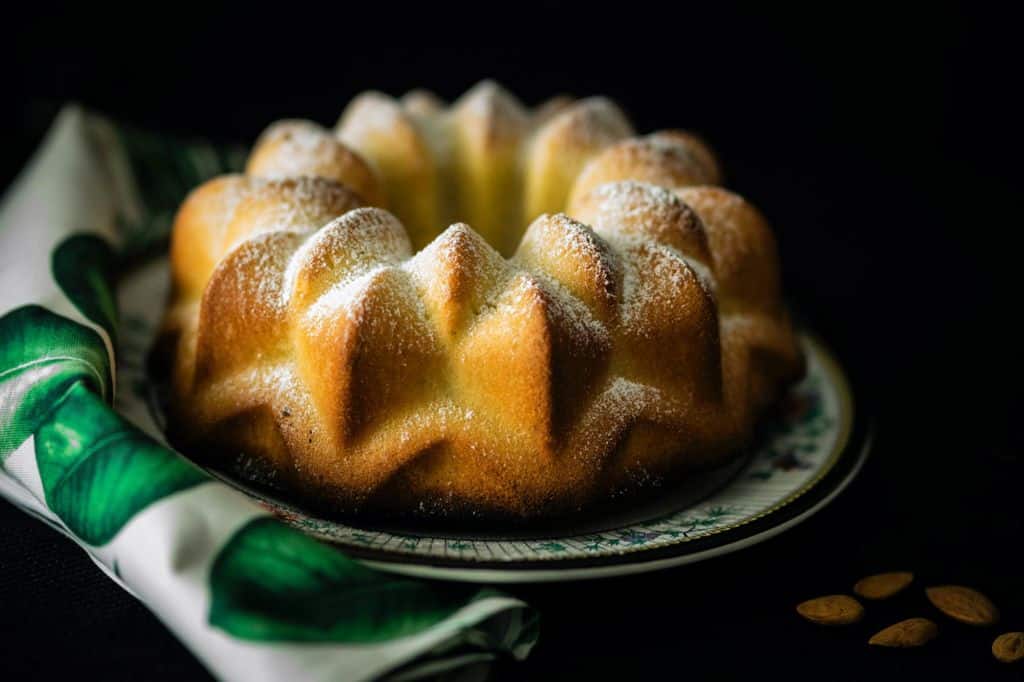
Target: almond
x=1009 y=647
x=906 y=633
x=883 y=585
x=834 y=609
x=963 y=604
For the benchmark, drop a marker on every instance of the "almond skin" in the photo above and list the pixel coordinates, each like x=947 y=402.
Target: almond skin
x=1009 y=647
x=883 y=585
x=834 y=609
x=907 y=633
x=963 y=604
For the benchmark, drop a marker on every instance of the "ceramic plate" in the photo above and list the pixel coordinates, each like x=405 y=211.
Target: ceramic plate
x=803 y=458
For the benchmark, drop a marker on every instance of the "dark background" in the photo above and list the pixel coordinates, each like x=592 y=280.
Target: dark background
x=882 y=143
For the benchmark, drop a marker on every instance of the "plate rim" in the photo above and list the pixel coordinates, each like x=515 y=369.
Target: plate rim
x=618 y=565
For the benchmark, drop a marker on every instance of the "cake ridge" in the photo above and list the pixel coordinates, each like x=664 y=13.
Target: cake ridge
x=633 y=333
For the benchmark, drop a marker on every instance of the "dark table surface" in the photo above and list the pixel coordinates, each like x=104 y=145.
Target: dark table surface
x=884 y=147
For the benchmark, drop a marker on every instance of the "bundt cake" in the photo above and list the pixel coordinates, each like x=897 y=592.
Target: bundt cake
x=328 y=335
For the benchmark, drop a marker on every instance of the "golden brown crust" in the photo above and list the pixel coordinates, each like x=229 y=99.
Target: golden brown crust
x=697 y=149
x=198 y=232
x=488 y=126
x=563 y=145
x=624 y=345
x=663 y=159
x=296 y=148
x=743 y=247
x=395 y=142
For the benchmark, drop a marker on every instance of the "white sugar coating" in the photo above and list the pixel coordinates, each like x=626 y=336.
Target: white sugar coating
x=298 y=148
x=641 y=203
x=413 y=336
x=628 y=396
x=660 y=283
x=564 y=240
x=485 y=120
x=307 y=197
x=257 y=265
x=622 y=389
x=457 y=247
x=627 y=242
x=628 y=213
x=295 y=265
x=721 y=217
x=619 y=403
x=595 y=121
x=740 y=241
x=343 y=298
x=646 y=205
x=218 y=207
x=491 y=103
x=460 y=247
x=670 y=146
x=578 y=318
x=422 y=102
x=589 y=123
x=564 y=309
x=361 y=238
x=453 y=415
x=434 y=129
x=263 y=381
x=371 y=114
x=304 y=146
x=299 y=203
x=231 y=189
x=523 y=291
x=278 y=378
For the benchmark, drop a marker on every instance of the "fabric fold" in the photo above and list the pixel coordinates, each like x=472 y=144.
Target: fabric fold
x=252 y=598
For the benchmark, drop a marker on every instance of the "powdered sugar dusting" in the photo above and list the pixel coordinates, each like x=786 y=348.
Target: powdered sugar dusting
x=630 y=213
x=569 y=312
x=639 y=202
x=672 y=147
x=657 y=276
x=591 y=123
x=370 y=114
x=457 y=247
x=493 y=108
x=574 y=240
x=257 y=266
x=302 y=204
x=299 y=148
x=342 y=298
x=627 y=397
x=596 y=295
x=361 y=238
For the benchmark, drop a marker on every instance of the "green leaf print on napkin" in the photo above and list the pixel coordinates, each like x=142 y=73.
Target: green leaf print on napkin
x=42 y=355
x=83 y=265
x=164 y=170
x=272 y=583
x=98 y=471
